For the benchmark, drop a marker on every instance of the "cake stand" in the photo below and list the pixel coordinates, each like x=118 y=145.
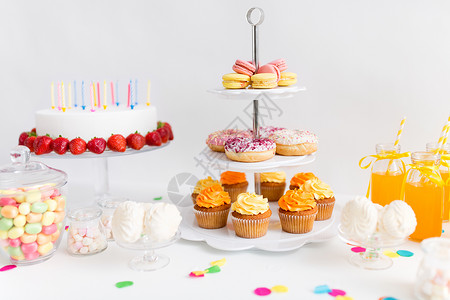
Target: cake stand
x=101 y=174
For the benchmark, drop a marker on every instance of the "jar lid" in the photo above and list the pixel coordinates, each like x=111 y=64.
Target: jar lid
x=23 y=173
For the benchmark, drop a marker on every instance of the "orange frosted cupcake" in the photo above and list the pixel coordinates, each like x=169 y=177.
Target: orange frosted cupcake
x=212 y=207
x=297 y=211
x=273 y=185
x=234 y=183
x=201 y=185
x=250 y=215
x=299 y=179
x=323 y=195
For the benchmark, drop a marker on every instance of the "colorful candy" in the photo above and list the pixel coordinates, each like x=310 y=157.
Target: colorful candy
x=6 y=224
x=33 y=228
x=85 y=240
x=9 y=211
x=24 y=208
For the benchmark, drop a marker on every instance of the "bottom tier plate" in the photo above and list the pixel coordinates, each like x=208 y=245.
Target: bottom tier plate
x=275 y=240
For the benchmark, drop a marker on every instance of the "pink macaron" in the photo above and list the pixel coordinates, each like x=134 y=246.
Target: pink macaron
x=244 y=67
x=280 y=64
x=270 y=69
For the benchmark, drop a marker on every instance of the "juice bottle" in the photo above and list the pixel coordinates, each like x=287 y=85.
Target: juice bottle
x=424 y=192
x=387 y=175
x=444 y=174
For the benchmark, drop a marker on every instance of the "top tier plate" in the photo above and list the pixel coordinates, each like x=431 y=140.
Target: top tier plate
x=251 y=94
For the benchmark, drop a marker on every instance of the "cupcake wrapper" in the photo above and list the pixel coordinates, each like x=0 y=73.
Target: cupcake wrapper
x=273 y=193
x=297 y=224
x=250 y=228
x=235 y=191
x=213 y=219
x=325 y=210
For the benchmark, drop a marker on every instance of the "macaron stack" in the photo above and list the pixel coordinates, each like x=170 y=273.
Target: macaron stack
x=267 y=76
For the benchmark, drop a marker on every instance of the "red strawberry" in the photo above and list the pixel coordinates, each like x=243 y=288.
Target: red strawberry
x=136 y=141
x=169 y=128
x=164 y=133
x=29 y=142
x=117 y=143
x=22 y=138
x=97 y=145
x=77 y=146
x=153 y=139
x=33 y=130
x=43 y=144
x=60 y=145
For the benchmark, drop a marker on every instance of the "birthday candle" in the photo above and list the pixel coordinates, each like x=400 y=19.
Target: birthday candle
x=148 y=93
x=91 y=88
x=112 y=93
x=135 y=92
x=98 y=95
x=70 y=95
x=82 y=95
x=59 y=96
x=53 y=95
x=63 y=97
x=129 y=91
x=117 y=93
x=131 y=94
x=75 y=93
x=95 y=98
x=104 y=95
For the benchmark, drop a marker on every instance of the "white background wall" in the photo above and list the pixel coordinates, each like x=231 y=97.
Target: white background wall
x=365 y=65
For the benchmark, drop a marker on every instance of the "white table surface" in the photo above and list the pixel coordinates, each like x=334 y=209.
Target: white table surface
x=92 y=277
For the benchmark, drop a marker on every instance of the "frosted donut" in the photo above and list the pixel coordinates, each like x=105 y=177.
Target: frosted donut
x=294 y=142
x=249 y=150
x=267 y=131
x=216 y=140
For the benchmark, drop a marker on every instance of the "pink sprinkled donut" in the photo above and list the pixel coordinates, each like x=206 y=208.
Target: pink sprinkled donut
x=216 y=140
x=266 y=131
x=249 y=150
x=295 y=142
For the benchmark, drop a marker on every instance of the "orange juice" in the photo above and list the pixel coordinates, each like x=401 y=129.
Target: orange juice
x=425 y=198
x=386 y=187
x=446 y=216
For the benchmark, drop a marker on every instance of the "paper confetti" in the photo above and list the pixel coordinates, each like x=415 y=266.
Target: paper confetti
x=7 y=268
x=122 y=284
x=262 y=291
x=279 y=289
x=219 y=263
x=343 y=298
x=197 y=274
x=336 y=293
x=157 y=198
x=322 y=289
x=66 y=228
x=213 y=269
x=358 y=249
x=405 y=253
x=391 y=254
x=388 y=298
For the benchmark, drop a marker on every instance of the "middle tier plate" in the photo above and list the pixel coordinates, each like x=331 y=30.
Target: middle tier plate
x=218 y=160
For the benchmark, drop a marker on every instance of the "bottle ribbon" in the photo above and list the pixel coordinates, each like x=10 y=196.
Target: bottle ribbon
x=430 y=172
x=388 y=155
x=445 y=161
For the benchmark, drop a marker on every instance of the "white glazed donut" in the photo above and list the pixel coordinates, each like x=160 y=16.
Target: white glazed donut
x=294 y=142
x=217 y=139
x=249 y=150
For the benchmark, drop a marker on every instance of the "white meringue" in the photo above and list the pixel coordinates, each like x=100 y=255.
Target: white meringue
x=359 y=219
x=398 y=220
x=127 y=222
x=161 y=222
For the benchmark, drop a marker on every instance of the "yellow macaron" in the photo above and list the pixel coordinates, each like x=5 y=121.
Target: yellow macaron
x=235 y=81
x=287 y=78
x=264 y=81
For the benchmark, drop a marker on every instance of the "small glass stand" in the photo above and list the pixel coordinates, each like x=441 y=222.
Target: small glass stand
x=150 y=261
x=373 y=258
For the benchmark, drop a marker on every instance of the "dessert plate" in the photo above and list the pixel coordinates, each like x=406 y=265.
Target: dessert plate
x=218 y=160
x=251 y=94
x=275 y=240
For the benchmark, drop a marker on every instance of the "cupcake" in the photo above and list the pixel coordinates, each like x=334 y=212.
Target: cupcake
x=299 y=179
x=323 y=195
x=297 y=211
x=201 y=185
x=250 y=215
x=234 y=183
x=212 y=207
x=273 y=185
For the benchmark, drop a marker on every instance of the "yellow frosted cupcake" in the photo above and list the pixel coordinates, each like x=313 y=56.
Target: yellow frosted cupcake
x=201 y=185
x=273 y=185
x=297 y=211
x=234 y=183
x=250 y=215
x=323 y=195
x=299 y=179
x=212 y=207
